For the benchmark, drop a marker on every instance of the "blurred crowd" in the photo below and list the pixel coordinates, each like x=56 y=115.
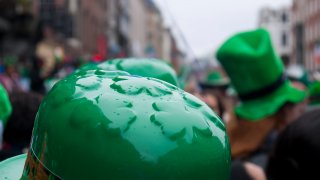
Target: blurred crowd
x=270 y=110
x=48 y=58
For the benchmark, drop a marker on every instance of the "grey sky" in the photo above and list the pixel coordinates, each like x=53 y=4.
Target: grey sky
x=207 y=23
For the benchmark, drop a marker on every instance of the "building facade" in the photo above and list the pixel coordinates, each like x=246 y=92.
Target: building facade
x=278 y=23
x=109 y=28
x=92 y=25
x=306 y=29
x=155 y=30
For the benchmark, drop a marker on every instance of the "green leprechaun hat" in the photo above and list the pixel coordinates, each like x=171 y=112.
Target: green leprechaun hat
x=314 y=93
x=257 y=74
x=5 y=105
x=215 y=80
x=154 y=68
x=98 y=124
x=298 y=73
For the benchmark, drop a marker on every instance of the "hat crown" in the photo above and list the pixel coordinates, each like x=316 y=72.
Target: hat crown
x=257 y=74
x=250 y=61
x=154 y=68
x=108 y=125
x=214 y=77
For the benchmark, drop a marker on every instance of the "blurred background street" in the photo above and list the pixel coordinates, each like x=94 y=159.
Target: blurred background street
x=44 y=40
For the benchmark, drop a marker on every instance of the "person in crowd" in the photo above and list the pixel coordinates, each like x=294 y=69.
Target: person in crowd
x=10 y=78
x=296 y=152
x=314 y=95
x=49 y=51
x=97 y=124
x=298 y=76
x=268 y=100
x=214 y=93
x=191 y=86
x=36 y=79
x=214 y=102
x=18 y=130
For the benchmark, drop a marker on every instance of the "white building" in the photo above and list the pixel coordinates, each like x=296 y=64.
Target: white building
x=306 y=29
x=278 y=23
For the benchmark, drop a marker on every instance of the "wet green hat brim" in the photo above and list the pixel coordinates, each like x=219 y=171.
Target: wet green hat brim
x=258 y=109
x=12 y=168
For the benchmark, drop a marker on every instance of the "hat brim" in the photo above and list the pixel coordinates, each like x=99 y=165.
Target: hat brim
x=258 y=109
x=218 y=85
x=12 y=168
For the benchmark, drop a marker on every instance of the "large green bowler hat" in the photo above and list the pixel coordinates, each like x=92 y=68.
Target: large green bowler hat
x=154 y=68
x=98 y=124
x=257 y=74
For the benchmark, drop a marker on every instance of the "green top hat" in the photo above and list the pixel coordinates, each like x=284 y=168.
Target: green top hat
x=5 y=105
x=98 y=124
x=257 y=74
x=215 y=80
x=154 y=68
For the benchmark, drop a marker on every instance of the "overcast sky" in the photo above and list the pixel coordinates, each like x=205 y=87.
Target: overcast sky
x=207 y=23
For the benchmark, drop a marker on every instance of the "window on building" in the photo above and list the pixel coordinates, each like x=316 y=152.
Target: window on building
x=265 y=19
x=284 y=39
x=284 y=17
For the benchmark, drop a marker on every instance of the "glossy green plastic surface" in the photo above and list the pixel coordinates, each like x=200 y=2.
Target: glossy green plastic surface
x=140 y=67
x=11 y=169
x=99 y=124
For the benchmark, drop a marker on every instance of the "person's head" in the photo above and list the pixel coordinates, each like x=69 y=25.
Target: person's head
x=18 y=131
x=257 y=74
x=214 y=102
x=100 y=124
x=298 y=76
x=215 y=86
x=296 y=153
x=215 y=83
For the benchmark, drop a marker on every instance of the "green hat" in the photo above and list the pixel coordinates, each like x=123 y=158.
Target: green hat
x=297 y=73
x=98 y=124
x=5 y=105
x=314 y=93
x=215 y=80
x=154 y=68
x=257 y=74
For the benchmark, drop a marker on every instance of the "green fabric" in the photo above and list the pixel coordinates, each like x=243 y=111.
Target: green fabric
x=252 y=64
x=11 y=169
x=314 y=92
x=268 y=105
x=98 y=124
x=298 y=73
x=5 y=105
x=215 y=78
